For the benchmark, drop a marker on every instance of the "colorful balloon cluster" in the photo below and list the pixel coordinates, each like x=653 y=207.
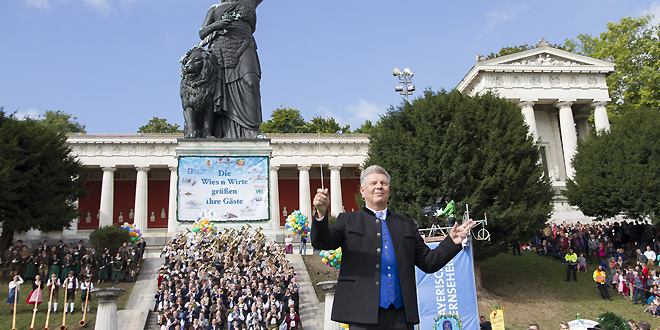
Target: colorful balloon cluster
x=204 y=226
x=297 y=222
x=135 y=233
x=331 y=258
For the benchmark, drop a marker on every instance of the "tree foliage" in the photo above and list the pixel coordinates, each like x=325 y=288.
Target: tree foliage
x=476 y=150
x=159 y=125
x=40 y=179
x=326 y=125
x=110 y=237
x=619 y=172
x=62 y=122
x=367 y=128
x=634 y=44
x=285 y=120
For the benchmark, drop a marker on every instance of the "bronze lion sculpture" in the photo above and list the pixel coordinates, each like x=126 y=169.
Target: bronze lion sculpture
x=199 y=90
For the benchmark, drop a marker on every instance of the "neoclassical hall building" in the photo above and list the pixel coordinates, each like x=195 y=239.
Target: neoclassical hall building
x=134 y=178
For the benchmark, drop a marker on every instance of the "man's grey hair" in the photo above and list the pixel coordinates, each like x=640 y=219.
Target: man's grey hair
x=371 y=170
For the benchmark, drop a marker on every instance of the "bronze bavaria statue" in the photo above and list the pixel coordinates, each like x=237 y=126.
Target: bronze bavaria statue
x=224 y=99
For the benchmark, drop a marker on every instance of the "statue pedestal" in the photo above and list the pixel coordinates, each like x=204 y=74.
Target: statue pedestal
x=223 y=147
x=329 y=289
x=106 y=314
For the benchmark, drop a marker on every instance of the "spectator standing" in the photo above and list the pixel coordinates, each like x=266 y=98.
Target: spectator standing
x=650 y=256
x=599 y=278
x=571 y=260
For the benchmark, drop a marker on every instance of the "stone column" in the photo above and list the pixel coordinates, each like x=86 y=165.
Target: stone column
x=527 y=108
x=329 y=289
x=107 y=196
x=274 y=198
x=568 y=135
x=600 y=116
x=106 y=313
x=304 y=199
x=172 y=207
x=582 y=126
x=336 y=205
x=141 y=198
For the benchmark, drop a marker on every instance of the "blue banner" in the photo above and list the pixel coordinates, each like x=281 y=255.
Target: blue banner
x=451 y=290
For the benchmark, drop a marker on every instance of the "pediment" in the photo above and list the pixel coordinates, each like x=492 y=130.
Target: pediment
x=545 y=56
x=545 y=60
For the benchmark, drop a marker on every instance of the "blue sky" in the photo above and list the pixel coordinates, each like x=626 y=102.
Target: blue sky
x=114 y=63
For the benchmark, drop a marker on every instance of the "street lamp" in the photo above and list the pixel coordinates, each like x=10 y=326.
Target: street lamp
x=405 y=78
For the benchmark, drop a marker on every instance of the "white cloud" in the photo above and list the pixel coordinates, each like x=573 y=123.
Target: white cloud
x=655 y=10
x=29 y=113
x=364 y=110
x=100 y=5
x=41 y=4
x=497 y=17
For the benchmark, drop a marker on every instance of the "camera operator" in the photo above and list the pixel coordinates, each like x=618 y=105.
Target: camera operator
x=449 y=211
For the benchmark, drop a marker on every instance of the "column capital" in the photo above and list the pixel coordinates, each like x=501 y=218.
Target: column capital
x=334 y=167
x=173 y=168
x=274 y=168
x=110 y=169
x=598 y=104
x=304 y=168
x=526 y=104
x=563 y=104
x=142 y=168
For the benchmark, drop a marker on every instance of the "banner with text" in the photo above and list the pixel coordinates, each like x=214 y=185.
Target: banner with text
x=223 y=188
x=451 y=290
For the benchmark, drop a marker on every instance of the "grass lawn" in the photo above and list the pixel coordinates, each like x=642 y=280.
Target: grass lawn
x=534 y=289
x=24 y=311
x=531 y=289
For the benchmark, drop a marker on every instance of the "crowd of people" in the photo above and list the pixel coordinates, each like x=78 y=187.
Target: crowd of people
x=620 y=257
x=74 y=269
x=237 y=283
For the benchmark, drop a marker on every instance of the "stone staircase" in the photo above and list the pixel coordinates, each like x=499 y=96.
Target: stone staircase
x=152 y=321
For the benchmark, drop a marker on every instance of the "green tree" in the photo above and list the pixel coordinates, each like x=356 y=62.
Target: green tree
x=474 y=149
x=40 y=178
x=284 y=120
x=634 y=45
x=326 y=125
x=509 y=50
x=619 y=172
x=367 y=128
x=159 y=125
x=62 y=122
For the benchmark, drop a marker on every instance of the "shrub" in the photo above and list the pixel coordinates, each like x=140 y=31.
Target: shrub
x=110 y=237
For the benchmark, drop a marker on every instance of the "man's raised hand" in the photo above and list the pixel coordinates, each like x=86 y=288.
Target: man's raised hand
x=459 y=233
x=321 y=202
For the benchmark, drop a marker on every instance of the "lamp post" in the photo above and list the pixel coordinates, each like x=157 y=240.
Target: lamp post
x=405 y=78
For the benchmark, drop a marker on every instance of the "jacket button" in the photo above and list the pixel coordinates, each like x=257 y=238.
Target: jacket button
x=378 y=234
x=377 y=283
x=377 y=221
x=378 y=250
x=377 y=265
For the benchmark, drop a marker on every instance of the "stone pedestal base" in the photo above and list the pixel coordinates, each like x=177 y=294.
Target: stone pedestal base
x=329 y=289
x=106 y=314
